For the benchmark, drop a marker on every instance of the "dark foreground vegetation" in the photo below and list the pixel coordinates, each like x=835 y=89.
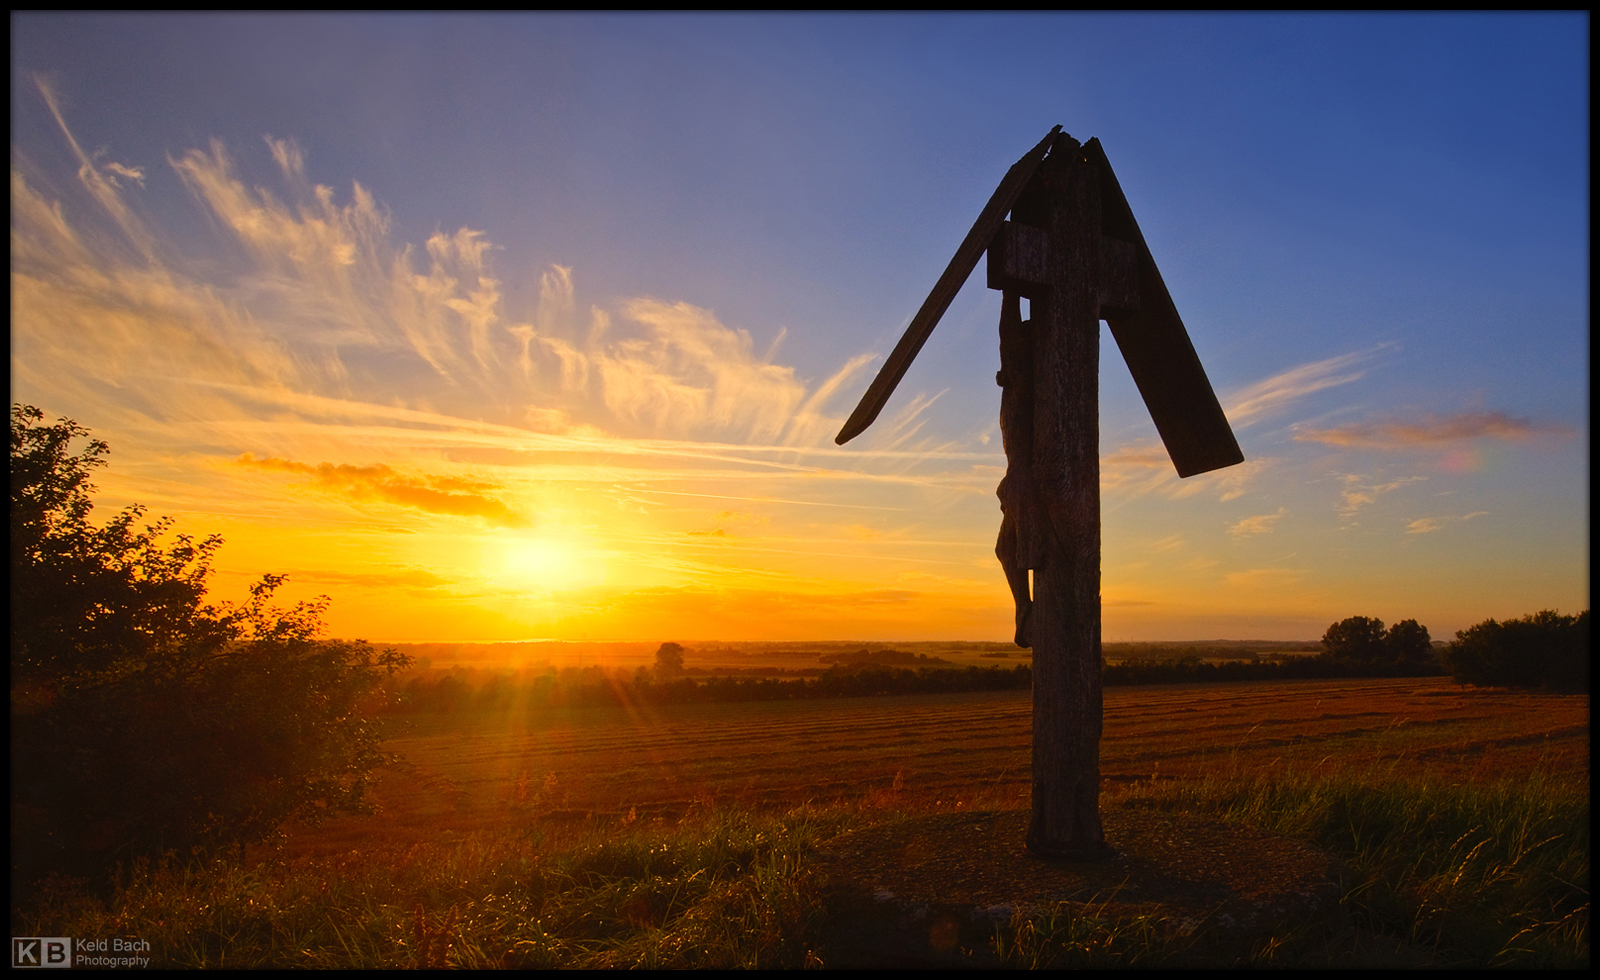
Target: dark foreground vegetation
x=145 y=721
x=1542 y=650
x=1493 y=876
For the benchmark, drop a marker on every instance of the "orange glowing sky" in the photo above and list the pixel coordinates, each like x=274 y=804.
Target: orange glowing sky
x=514 y=328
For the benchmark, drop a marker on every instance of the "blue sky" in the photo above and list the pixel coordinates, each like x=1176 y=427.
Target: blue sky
x=697 y=236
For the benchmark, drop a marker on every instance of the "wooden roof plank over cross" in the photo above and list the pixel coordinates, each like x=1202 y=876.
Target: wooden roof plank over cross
x=1148 y=330
x=1158 y=351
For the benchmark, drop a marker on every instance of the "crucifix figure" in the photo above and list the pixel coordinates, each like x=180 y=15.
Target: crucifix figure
x=1072 y=249
x=1019 y=542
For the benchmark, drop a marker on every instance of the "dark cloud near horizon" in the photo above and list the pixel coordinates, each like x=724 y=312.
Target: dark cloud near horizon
x=434 y=494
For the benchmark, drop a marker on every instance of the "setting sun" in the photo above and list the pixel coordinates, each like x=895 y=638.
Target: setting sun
x=543 y=564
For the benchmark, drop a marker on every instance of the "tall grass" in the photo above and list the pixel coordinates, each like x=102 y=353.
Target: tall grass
x=1475 y=876
x=1484 y=876
x=727 y=890
x=1071 y=936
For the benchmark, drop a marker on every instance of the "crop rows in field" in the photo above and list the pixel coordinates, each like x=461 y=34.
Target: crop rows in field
x=501 y=771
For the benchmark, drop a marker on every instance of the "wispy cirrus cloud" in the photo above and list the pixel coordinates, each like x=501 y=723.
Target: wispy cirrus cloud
x=326 y=301
x=685 y=372
x=101 y=181
x=811 y=425
x=308 y=294
x=1257 y=578
x=1259 y=524
x=1431 y=431
x=1358 y=494
x=1141 y=468
x=1427 y=525
x=113 y=170
x=1279 y=391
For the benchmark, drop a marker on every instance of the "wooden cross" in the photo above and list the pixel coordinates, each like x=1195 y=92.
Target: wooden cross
x=1073 y=249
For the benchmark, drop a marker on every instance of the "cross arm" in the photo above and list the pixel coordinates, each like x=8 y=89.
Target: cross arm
x=944 y=291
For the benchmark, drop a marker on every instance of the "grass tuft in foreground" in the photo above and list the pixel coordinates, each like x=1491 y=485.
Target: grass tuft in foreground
x=729 y=890
x=1482 y=876
x=1083 y=937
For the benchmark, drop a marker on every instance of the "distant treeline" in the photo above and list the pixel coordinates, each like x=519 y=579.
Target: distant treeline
x=1148 y=652
x=888 y=658
x=1190 y=670
x=596 y=686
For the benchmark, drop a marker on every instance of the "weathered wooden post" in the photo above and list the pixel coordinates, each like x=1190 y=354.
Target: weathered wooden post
x=1074 y=250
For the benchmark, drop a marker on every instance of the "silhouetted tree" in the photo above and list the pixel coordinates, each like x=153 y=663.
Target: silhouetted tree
x=1407 y=642
x=669 y=660
x=1545 y=649
x=1356 y=639
x=1362 y=644
x=144 y=720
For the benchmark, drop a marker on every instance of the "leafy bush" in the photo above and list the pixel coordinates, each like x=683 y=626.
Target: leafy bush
x=1545 y=649
x=142 y=720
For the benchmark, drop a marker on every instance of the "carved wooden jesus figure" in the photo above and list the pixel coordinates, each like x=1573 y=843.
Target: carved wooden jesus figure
x=1073 y=249
x=1019 y=529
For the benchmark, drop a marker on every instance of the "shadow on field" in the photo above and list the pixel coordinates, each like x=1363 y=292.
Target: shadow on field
x=941 y=886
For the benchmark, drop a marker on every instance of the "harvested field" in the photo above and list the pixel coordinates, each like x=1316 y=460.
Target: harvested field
x=502 y=772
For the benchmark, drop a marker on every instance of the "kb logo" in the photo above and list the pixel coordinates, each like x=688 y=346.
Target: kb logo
x=40 y=952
